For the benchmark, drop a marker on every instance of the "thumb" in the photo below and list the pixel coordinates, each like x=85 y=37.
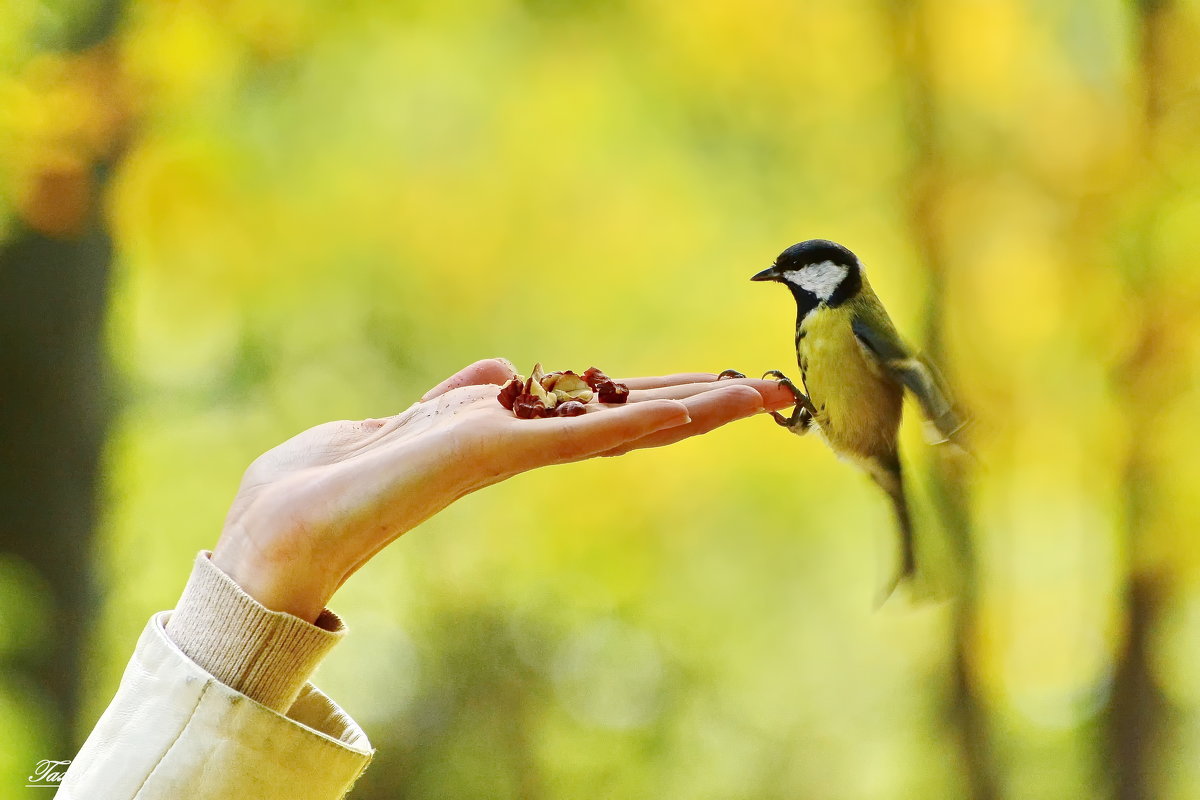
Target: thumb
x=490 y=370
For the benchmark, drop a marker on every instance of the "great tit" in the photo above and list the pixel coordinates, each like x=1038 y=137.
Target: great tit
x=855 y=367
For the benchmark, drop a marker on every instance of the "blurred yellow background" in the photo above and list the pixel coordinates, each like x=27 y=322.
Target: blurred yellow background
x=318 y=210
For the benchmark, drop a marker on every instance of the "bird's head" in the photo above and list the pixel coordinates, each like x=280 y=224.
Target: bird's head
x=817 y=271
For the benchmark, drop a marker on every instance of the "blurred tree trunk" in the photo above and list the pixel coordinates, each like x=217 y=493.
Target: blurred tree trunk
x=1136 y=709
x=924 y=185
x=52 y=429
x=54 y=274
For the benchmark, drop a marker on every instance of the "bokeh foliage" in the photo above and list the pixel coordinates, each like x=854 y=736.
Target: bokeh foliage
x=320 y=209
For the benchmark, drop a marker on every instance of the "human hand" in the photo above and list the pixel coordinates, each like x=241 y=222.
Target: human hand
x=313 y=510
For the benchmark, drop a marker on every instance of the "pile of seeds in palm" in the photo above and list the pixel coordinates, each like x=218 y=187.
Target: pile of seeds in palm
x=559 y=394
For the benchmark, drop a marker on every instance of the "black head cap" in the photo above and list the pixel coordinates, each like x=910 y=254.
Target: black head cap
x=815 y=251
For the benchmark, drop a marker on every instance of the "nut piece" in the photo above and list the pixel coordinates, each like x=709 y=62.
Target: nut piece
x=533 y=386
x=610 y=391
x=511 y=391
x=568 y=386
x=594 y=376
x=571 y=408
x=538 y=373
x=528 y=406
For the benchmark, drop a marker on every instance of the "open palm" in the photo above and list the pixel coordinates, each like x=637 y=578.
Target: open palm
x=313 y=510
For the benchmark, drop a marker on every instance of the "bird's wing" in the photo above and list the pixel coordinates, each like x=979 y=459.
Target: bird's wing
x=882 y=344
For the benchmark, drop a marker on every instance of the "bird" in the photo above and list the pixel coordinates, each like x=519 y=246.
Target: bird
x=855 y=367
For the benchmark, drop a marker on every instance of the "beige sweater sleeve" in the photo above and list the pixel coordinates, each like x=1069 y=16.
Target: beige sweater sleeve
x=174 y=731
x=266 y=655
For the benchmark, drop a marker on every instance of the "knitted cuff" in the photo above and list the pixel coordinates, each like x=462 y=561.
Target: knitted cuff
x=266 y=655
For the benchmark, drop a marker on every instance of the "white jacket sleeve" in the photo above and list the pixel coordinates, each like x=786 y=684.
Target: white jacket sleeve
x=174 y=731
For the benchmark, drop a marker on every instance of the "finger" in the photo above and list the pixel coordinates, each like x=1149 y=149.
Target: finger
x=660 y=381
x=774 y=396
x=489 y=370
x=708 y=411
x=562 y=439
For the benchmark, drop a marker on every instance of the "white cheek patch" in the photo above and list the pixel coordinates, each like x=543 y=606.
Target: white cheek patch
x=821 y=280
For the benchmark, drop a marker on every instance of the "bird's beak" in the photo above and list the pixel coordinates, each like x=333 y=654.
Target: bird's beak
x=768 y=274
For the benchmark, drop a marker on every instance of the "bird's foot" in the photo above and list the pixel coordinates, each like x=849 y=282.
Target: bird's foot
x=802 y=415
x=798 y=423
x=802 y=400
x=730 y=373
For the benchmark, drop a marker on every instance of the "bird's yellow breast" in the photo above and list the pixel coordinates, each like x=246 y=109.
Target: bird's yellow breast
x=858 y=408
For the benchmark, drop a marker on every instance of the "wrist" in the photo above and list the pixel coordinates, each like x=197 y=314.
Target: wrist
x=292 y=583
x=263 y=654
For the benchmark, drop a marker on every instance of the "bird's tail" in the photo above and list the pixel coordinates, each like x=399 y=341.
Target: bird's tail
x=889 y=478
x=907 y=568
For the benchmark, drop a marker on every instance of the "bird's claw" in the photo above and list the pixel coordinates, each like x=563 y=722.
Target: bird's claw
x=802 y=400
x=730 y=373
